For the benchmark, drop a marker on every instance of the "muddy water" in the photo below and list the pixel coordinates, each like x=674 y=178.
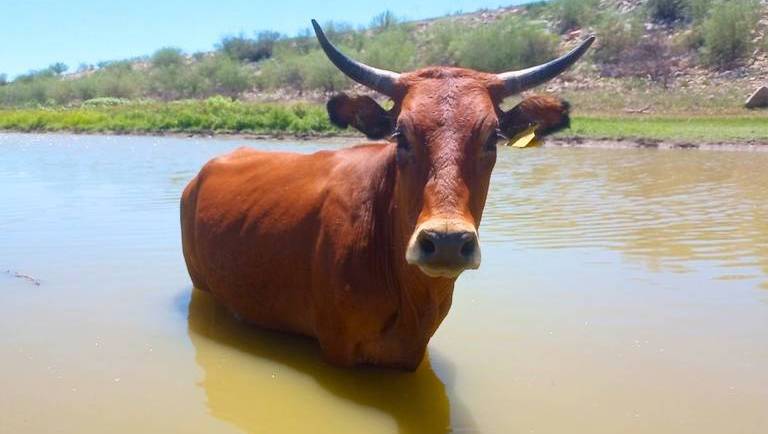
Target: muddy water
x=621 y=291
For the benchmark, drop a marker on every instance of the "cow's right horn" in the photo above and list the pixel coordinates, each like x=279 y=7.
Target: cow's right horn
x=380 y=80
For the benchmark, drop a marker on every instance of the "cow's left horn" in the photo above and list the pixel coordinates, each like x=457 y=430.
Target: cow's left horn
x=519 y=81
x=379 y=80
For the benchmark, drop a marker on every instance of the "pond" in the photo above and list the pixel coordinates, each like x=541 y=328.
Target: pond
x=621 y=290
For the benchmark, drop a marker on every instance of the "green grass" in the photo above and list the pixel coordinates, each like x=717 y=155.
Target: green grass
x=214 y=115
x=673 y=128
x=224 y=116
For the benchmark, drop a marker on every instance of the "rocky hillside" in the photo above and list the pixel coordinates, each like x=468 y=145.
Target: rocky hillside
x=659 y=56
x=658 y=64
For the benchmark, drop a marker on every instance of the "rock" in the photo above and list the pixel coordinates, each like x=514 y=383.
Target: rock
x=758 y=99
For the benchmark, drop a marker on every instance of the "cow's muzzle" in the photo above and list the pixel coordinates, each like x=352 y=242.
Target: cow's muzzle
x=444 y=248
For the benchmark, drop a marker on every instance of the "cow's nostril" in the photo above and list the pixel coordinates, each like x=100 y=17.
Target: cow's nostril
x=468 y=248
x=427 y=246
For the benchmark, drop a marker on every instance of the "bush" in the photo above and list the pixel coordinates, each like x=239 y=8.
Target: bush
x=319 y=73
x=284 y=70
x=250 y=50
x=574 y=13
x=221 y=75
x=440 y=44
x=118 y=80
x=168 y=56
x=392 y=49
x=667 y=10
x=336 y=30
x=691 y=39
x=58 y=68
x=3 y=79
x=384 y=20
x=510 y=43
x=698 y=10
x=620 y=35
x=171 y=82
x=728 y=31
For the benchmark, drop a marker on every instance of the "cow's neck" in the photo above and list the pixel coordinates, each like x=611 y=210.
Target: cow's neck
x=423 y=301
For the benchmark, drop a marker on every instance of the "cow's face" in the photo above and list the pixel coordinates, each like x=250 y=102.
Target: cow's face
x=445 y=133
x=445 y=124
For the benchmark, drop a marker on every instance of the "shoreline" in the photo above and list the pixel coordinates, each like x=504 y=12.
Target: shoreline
x=754 y=145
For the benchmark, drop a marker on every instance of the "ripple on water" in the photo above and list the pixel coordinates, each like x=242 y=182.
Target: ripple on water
x=617 y=294
x=673 y=206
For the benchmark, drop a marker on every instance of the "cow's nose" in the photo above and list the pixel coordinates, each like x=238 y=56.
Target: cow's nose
x=444 y=253
x=447 y=248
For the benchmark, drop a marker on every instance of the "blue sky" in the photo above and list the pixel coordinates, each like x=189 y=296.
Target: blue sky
x=37 y=33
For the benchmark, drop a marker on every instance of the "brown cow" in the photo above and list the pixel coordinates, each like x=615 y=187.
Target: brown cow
x=360 y=247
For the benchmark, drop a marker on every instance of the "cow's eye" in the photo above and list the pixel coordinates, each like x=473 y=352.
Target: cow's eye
x=403 y=147
x=493 y=139
x=402 y=141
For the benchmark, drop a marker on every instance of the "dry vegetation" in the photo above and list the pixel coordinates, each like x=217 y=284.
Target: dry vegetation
x=695 y=58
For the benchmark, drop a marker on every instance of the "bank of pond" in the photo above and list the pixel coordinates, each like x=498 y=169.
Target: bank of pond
x=224 y=116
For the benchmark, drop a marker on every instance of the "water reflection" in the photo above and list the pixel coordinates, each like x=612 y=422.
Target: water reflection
x=667 y=209
x=269 y=382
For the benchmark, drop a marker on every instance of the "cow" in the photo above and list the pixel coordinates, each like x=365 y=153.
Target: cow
x=360 y=247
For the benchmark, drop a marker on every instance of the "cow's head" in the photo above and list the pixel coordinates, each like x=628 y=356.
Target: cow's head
x=446 y=123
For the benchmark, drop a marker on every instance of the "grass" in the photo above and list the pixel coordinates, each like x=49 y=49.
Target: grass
x=214 y=115
x=224 y=116
x=622 y=95
x=672 y=128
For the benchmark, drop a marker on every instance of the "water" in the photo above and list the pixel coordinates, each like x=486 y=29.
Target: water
x=621 y=291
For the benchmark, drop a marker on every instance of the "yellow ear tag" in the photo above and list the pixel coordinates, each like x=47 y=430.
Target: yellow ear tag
x=525 y=139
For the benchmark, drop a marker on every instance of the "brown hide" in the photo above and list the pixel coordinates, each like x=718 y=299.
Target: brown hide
x=317 y=244
x=306 y=244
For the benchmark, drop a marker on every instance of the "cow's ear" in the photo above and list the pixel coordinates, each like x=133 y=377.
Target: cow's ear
x=362 y=113
x=549 y=113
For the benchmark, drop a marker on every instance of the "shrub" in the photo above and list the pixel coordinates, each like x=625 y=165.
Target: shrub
x=336 y=30
x=282 y=71
x=728 y=31
x=574 y=13
x=440 y=44
x=58 y=68
x=667 y=10
x=221 y=75
x=251 y=50
x=3 y=79
x=510 y=43
x=169 y=82
x=168 y=56
x=698 y=10
x=392 y=49
x=117 y=80
x=691 y=39
x=304 y=41
x=618 y=35
x=384 y=20
x=319 y=73
x=34 y=75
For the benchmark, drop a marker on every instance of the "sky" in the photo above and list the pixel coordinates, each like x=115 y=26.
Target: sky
x=38 y=33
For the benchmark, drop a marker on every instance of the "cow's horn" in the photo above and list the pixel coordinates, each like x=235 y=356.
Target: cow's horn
x=518 y=81
x=379 y=80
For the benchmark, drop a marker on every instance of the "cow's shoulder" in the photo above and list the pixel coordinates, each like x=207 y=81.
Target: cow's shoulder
x=356 y=195
x=355 y=179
